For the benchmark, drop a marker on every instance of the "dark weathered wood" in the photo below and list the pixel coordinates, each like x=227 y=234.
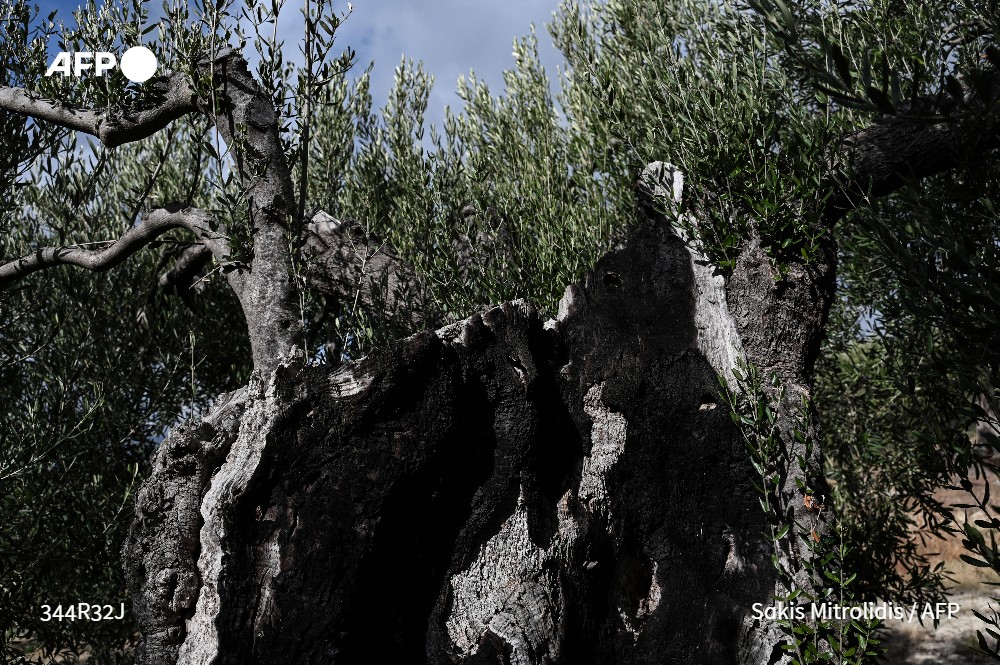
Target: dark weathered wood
x=354 y=270
x=497 y=491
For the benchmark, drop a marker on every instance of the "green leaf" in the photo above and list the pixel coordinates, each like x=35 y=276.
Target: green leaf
x=954 y=88
x=788 y=18
x=843 y=66
x=974 y=562
x=982 y=642
x=880 y=100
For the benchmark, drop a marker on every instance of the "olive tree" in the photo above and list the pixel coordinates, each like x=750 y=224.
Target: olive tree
x=503 y=488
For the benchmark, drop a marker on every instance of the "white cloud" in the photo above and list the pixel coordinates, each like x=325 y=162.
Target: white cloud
x=451 y=37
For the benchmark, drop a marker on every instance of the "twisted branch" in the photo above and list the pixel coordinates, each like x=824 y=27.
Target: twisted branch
x=174 y=98
x=928 y=136
x=152 y=225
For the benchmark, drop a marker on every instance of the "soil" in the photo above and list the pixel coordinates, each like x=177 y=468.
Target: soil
x=954 y=640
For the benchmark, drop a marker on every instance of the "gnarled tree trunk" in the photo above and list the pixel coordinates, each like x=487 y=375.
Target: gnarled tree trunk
x=502 y=490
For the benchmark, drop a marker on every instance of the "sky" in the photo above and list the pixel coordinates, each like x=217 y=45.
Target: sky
x=451 y=37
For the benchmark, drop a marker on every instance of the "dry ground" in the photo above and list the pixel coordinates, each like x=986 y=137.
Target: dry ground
x=953 y=641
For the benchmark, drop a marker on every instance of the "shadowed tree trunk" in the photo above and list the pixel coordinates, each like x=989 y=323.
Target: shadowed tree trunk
x=501 y=490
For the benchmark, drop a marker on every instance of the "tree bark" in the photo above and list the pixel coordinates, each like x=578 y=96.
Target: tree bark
x=501 y=490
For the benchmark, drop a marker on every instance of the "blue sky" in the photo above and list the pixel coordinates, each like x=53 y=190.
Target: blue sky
x=451 y=37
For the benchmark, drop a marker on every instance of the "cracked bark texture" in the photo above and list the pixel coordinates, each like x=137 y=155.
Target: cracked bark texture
x=502 y=490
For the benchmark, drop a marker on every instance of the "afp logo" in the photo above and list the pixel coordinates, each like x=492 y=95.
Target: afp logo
x=138 y=63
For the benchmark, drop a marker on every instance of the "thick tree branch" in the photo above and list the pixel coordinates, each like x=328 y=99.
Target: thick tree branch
x=171 y=99
x=181 y=277
x=188 y=264
x=920 y=141
x=250 y=126
x=152 y=225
